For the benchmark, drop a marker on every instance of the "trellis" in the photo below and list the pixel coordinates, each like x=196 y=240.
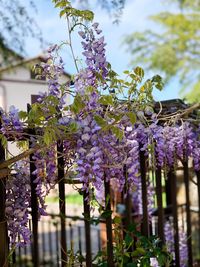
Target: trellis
x=170 y=189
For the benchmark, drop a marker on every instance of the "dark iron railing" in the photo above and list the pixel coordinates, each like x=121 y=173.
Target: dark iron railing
x=56 y=237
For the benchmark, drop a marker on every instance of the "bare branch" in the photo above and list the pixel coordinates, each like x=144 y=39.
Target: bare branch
x=23 y=155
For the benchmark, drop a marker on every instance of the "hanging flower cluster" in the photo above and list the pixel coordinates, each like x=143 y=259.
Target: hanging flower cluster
x=94 y=53
x=18 y=203
x=169 y=237
x=45 y=175
x=11 y=122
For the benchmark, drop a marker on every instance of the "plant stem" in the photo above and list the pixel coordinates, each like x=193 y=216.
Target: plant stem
x=70 y=45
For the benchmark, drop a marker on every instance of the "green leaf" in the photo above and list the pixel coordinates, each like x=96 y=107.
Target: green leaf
x=117 y=132
x=100 y=121
x=22 y=115
x=128 y=239
x=126 y=72
x=138 y=252
x=139 y=72
x=132 y=228
x=117 y=220
x=106 y=214
x=132 y=264
x=132 y=117
x=62 y=13
x=3 y=140
x=77 y=105
x=73 y=127
x=47 y=138
x=106 y=100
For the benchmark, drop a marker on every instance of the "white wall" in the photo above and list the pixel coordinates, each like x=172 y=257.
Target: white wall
x=16 y=88
x=19 y=87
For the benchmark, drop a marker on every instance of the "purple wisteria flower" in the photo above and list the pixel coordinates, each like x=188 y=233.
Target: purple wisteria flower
x=169 y=238
x=95 y=59
x=18 y=197
x=11 y=121
x=46 y=175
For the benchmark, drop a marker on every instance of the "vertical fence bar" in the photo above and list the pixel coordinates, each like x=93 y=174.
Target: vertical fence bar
x=71 y=233
x=34 y=205
x=43 y=241
x=80 y=245
x=145 y=221
x=57 y=244
x=160 y=204
x=99 y=240
x=189 y=227
x=128 y=201
x=20 y=256
x=172 y=179
x=86 y=207
x=14 y=257
x=3 y=223
x=25 y=254
x=168 y=192
x=61 y=186
x=50 y=242
x=110 y=257
x=198 y=186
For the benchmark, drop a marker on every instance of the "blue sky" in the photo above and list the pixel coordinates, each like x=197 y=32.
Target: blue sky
x=134 y=18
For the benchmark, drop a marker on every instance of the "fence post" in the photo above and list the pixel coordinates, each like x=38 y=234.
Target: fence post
x=3 y=223
x=187 y=194
x=173 y=189
x=110 y=257
x=86 y=207
x=128 y=201
x=160 y=204
x=145 y=220
x=198 y=185
x=34 y=204
x=61 y=186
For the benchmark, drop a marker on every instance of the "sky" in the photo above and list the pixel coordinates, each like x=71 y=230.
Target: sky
x=134 y=18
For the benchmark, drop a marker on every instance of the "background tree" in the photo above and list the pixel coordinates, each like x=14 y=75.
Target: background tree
x=172 y=47
x=16 y=23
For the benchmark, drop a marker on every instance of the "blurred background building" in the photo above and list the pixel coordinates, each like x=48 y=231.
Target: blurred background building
x=19 y=84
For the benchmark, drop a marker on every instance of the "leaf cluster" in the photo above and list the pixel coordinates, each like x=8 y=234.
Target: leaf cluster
x=16 y=24
x=69 y=11
x=134 y=249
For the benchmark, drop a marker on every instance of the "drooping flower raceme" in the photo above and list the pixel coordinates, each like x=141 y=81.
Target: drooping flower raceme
x=95 y=59
x=18 y=197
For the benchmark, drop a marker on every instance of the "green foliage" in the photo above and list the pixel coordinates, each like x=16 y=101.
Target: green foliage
x=144 y=248
x=3 y=140
x=77 y=105
x=69 y=11
x=194 y=95
x=174 y=51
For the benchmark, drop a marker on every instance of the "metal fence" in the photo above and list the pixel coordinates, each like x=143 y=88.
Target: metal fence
x=49 y=243
x=55 y=238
